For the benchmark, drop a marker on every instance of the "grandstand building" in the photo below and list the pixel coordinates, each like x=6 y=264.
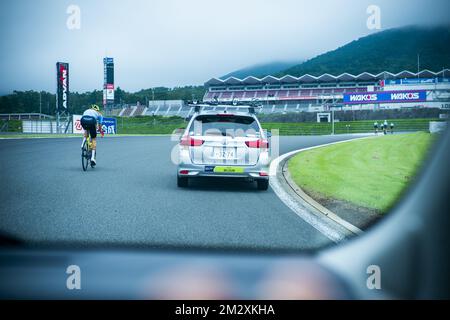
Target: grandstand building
x=165 y=107
x=366 y=91
x=154 y=108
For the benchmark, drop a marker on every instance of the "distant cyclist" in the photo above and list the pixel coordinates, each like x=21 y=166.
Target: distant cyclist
x=385 y=126
x=89 y=121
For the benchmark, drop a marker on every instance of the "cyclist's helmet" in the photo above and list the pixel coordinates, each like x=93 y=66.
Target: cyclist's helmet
x=95 y=107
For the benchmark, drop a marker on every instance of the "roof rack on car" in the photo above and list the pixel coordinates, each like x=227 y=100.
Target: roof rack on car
x=252 y=106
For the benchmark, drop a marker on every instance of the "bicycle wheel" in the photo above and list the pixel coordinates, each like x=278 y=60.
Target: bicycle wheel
x=85 y=159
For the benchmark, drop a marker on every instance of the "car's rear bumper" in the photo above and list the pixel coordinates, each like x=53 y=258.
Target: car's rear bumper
x=252 y=172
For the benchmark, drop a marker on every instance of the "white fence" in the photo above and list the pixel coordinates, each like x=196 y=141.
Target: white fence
x=22 y=116
x=43 y=126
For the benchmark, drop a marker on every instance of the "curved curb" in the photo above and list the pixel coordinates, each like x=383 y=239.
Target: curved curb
x=321 y=218
x=302 y=194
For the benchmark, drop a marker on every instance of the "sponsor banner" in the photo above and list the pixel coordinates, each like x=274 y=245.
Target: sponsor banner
x=109 y=94
x=298 y=98
x=76 y=124
x=324 y=96
x=109 y=125
x=108 y=81
x=108 y=71
x=415 y=81
x=62 y=86
x=385 y=97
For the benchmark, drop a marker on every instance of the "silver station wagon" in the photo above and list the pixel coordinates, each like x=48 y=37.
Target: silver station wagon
x=224 y=144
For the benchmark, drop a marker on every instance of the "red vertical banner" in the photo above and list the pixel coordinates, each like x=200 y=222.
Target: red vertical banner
x=62 y=86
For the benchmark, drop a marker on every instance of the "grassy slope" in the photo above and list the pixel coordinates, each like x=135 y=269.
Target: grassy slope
x=370 y=173
x=161 y=125
x=149 y=125
x=314 y=128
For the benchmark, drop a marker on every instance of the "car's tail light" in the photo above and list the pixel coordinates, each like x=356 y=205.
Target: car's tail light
x=184 y=171
x=261 y=143
x=263 y=174
x=191 y=142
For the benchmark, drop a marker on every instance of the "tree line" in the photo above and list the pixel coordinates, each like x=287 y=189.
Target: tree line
x=45 y=102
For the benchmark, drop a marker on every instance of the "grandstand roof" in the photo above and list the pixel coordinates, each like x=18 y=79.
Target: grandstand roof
x=365 y=76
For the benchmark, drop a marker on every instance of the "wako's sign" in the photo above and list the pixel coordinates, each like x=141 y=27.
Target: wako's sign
x=385 y=97
x=109 y=125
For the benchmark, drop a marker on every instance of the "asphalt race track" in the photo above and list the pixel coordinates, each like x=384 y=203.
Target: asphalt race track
x=131 y=198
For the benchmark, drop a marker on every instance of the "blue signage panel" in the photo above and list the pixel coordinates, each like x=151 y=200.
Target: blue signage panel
x=108 y=60
x=385 y=97
x=411 y=81
x=414 y=81
x=418 y=81
x=109 y=125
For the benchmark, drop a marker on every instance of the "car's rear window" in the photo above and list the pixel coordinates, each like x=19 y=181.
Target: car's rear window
x=224 y=125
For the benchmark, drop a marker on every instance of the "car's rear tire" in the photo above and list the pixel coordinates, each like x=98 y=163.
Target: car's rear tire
x=263 y=184
x=182 y=182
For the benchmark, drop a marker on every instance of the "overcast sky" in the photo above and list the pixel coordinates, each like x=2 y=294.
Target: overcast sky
x=181 y=42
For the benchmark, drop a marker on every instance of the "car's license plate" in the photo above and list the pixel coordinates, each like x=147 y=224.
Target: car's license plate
x=220 y=169
x=223 y=154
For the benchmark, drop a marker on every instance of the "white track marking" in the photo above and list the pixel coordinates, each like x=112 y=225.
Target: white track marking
x=331 y=228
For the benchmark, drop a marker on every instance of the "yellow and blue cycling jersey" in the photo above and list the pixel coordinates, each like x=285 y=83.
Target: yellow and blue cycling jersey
x=89 y=121
x=95 y=114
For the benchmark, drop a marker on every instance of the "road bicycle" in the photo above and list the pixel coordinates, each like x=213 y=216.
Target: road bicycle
x=86 y=154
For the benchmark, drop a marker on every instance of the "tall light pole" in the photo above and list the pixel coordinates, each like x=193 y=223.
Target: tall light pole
x=40 y=109
x=418 y=65
x=40 y=105
x=153 y=97
x=332 y=119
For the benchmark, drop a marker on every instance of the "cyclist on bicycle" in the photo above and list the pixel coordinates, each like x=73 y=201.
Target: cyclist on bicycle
x=89 y=121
